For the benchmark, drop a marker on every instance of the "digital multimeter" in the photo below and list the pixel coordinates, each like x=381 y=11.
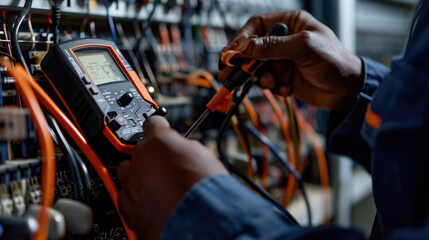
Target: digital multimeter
x=102 y=94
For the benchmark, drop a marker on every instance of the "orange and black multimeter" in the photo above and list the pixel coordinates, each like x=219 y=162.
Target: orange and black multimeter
x=102 y=94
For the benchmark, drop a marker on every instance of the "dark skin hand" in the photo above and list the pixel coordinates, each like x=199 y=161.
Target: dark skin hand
x=163 y=168
x=310 y=62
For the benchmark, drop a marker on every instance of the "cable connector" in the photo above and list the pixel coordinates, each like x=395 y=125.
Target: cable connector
x=222 y=101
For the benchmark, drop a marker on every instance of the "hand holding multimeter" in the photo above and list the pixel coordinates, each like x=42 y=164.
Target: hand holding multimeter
x=101 y=93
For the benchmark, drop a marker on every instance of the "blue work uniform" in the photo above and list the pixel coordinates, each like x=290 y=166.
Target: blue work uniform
x=386 y=131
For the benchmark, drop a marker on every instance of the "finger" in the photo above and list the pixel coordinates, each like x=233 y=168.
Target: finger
x=285 y=90
x=290 y=47
x=278 y=76
x=260 y=25
x=223 y=75
x=267 y=80
x=277 y=47
x=256 y=26
x=123 y=171
x=125 y=206
x=154 y=123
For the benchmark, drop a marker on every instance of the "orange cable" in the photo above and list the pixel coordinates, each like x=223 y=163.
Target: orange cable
x=68 y=35
x=290 y=187
x=48 y=29
x=81 y=142
x=265 y=150
x=45 y=141
x=321 y=160
x=251 y=111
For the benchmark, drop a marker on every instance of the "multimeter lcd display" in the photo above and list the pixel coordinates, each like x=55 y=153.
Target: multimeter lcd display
x=100 y=66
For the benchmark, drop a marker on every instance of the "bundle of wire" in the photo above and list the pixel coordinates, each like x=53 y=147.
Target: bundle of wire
x=232 y=169
x=292 y=152
x=78 y=168
x=206 y=80
x=284 y=162
x=45 y=141
x=320 y=154
x=291 y=134
x=26 y=84
x=245 y=143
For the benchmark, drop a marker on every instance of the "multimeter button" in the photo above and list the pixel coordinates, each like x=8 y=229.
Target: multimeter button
x=93 y=90
x=132 y=123
x=162 y=111
x=125 y=99
x=134 y=130
x=126 y=132
x=116 y=123
x=112 y=114
x=86 y=80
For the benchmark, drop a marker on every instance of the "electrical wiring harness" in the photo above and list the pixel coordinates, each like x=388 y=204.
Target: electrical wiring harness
x=291 y=131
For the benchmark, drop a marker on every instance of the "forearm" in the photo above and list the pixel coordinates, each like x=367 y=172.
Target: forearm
x=222 y=208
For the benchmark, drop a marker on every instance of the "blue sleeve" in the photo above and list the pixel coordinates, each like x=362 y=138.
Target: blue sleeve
x=399 y=142
x=220 y=207
x=344 y=129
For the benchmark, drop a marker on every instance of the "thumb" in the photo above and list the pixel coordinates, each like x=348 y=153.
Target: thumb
x=276 y=47
x=123 y=171
x=153 y=124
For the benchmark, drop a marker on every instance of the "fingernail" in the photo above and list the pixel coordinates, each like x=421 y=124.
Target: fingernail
x=247 y=47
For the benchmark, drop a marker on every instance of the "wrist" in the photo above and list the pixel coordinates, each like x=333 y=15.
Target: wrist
x=355 y=81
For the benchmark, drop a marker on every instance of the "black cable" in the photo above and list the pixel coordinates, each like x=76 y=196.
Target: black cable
x=67 y=150
x=83 y=170
x=146 y=24
x=232 y=169
x=263 y=139
x=74 y=156
x=223 y=17
x=147 y=32
x=110 y=20
x=14 y=34
x=86 y=181
x=307 y=203
x=55 y=16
